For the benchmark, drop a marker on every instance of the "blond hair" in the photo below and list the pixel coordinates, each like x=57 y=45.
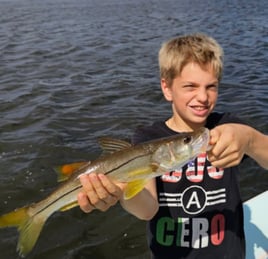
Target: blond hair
x=198 y=48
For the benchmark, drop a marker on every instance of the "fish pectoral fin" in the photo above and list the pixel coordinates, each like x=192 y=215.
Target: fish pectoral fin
x=64 y=172
x=134 y=188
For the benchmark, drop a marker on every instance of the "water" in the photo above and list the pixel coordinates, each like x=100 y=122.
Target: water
x=72 y=71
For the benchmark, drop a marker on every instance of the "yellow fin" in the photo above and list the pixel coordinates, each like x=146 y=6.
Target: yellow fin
x=134 y=188
x=28 y=227
x=14 y=218
x=29 y=233
x=69 y=206
x=65 y=171
x=111 y=145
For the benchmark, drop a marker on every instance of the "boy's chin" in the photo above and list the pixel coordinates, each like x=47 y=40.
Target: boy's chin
x=199 y=122
x=200 y=114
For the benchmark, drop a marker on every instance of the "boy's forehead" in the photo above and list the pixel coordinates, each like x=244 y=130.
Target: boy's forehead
x=193 y=72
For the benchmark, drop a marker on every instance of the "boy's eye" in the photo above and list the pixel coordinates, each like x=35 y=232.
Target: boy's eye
x=213 y=87
x=192 y=87
x=189 y=86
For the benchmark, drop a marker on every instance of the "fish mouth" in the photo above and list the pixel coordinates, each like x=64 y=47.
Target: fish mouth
x=201 y=143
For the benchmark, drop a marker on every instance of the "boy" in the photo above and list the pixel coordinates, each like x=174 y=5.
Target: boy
x=195 y=212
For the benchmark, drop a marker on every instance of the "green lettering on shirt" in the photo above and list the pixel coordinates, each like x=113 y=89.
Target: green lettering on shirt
x=165 y=225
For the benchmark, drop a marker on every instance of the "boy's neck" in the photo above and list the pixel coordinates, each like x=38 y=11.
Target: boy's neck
x=177 y=126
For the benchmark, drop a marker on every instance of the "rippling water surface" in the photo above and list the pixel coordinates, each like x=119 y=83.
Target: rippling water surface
x=72 y=71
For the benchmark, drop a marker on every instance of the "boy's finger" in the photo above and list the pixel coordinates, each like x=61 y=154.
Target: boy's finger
x=114 y=189
x=214 y=136
x=84 y=203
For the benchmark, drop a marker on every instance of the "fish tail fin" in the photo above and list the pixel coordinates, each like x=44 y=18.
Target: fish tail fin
x=29 y=228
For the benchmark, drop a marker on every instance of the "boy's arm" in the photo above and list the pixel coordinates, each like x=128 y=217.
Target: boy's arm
x=258 y=148
x=144 y=205
x=230 y=142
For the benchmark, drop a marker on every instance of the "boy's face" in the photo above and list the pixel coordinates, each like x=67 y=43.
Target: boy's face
x=193 y=95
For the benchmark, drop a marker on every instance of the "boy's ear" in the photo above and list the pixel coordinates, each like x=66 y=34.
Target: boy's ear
x=166 y=89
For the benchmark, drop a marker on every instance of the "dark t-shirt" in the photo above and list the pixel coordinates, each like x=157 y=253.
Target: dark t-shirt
x=200 y=212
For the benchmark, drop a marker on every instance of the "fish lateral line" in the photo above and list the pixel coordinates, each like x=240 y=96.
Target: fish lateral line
x=54 y=201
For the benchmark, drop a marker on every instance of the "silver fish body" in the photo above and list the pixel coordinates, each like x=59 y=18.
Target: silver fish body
x=122 y=163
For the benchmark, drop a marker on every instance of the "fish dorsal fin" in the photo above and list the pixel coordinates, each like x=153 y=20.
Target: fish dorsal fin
x=111 y=145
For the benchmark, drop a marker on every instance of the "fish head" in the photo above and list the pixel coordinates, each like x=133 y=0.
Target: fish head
x=176 y=151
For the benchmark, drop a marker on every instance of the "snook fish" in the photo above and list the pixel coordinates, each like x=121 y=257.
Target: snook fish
x=121 y=162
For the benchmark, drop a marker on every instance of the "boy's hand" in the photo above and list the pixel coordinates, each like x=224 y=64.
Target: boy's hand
x=229 y=144
x=98 y=192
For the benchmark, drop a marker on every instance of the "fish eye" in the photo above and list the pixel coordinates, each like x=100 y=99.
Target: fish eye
x=187 y=139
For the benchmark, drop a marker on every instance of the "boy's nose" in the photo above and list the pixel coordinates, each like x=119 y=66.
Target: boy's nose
x=202 y=94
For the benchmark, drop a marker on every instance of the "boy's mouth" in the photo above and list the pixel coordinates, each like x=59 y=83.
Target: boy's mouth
x=200 y=110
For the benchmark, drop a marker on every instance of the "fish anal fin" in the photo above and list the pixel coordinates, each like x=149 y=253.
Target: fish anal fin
x=69 y=206
x=134 y=188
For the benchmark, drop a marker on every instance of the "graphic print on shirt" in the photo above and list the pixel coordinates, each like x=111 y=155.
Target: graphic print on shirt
x=192 y=231
x=195 y=171
x=193 y=200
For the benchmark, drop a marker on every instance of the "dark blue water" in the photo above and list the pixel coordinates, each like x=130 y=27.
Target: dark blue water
x=72 y=71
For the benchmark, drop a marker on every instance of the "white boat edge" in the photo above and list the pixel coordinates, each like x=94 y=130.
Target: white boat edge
x=256 y=226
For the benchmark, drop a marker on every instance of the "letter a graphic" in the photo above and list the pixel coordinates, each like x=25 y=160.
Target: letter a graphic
x=193 y=201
